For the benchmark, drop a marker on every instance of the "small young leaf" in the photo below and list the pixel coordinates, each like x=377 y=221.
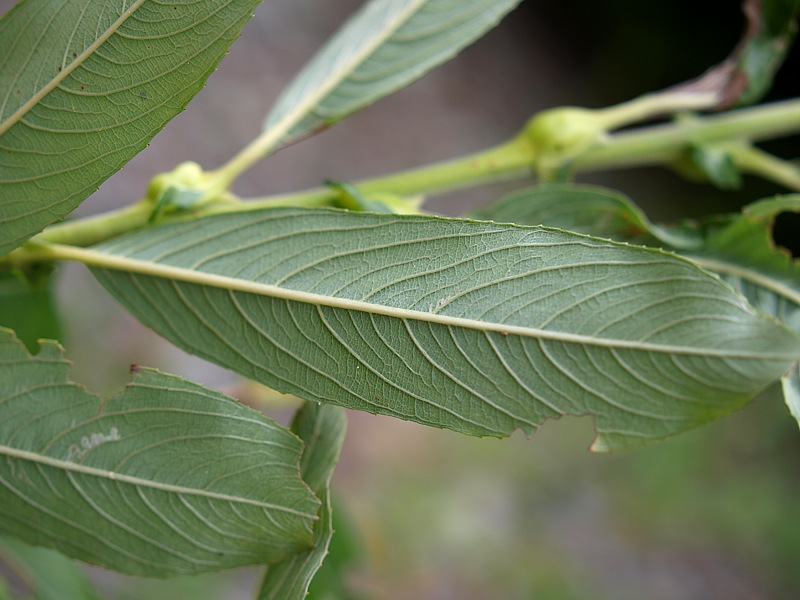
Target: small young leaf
x=746 y=75
x=49 y=575
x=166 y=478
x=322 y=428
x=478 y=327
x=771 y=31
x=384 y=47
x=85 y=85
x=716 y=165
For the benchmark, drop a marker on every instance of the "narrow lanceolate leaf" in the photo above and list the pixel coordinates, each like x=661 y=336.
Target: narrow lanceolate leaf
x=478 y=327
x=384 y=47
x=322 y=428
x=48 y=575
x=166 y=478
x=85 y=85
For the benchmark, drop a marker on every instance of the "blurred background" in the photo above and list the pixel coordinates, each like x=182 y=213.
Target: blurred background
x=428 y=514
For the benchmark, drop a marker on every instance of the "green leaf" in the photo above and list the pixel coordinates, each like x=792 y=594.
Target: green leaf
x=345 y=556
x=739 y=247
x=385 y=46
x=322 y=428
x=716 y=164
x=589 y=209
x=742 y=250
x=771 y=30
x=49 y=575
x=166 y=478
x=477 y=327
x=85 y=85
x=746 y=75
x=791 y=391
x=28 y=308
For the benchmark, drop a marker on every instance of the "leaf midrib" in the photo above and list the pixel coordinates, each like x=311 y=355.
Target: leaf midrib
x=103 y=260
x=72 y=467
x=55 y=81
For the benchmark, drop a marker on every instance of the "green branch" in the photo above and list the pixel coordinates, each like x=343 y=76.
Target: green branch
x=765 y=165
x=513 y=159
x=94 y=229
x=654 y=145
x=662 y=144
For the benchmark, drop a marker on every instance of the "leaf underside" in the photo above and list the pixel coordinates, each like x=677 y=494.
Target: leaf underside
x=166 y=478
x=85 y=85
x=477 y=327
x=740 y=248
x=744 y=253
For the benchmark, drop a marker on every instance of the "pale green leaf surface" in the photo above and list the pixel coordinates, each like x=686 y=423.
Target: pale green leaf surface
x=743 y=252
x=85 y=85
x=385 y=46
x=738 y=247
x=168 y=477
x=589 y=209
x=48 y=574
x=322 y=428
x=478 y=327
x=791 y=391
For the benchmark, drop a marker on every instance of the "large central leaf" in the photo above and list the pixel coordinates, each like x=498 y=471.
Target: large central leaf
x=85 y=85
x=477 y=327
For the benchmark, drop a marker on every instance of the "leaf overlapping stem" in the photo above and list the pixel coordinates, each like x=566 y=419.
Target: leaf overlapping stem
x=477 y=327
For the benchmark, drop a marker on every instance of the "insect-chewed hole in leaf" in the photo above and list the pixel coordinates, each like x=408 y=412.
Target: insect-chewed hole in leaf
x=786 y=232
